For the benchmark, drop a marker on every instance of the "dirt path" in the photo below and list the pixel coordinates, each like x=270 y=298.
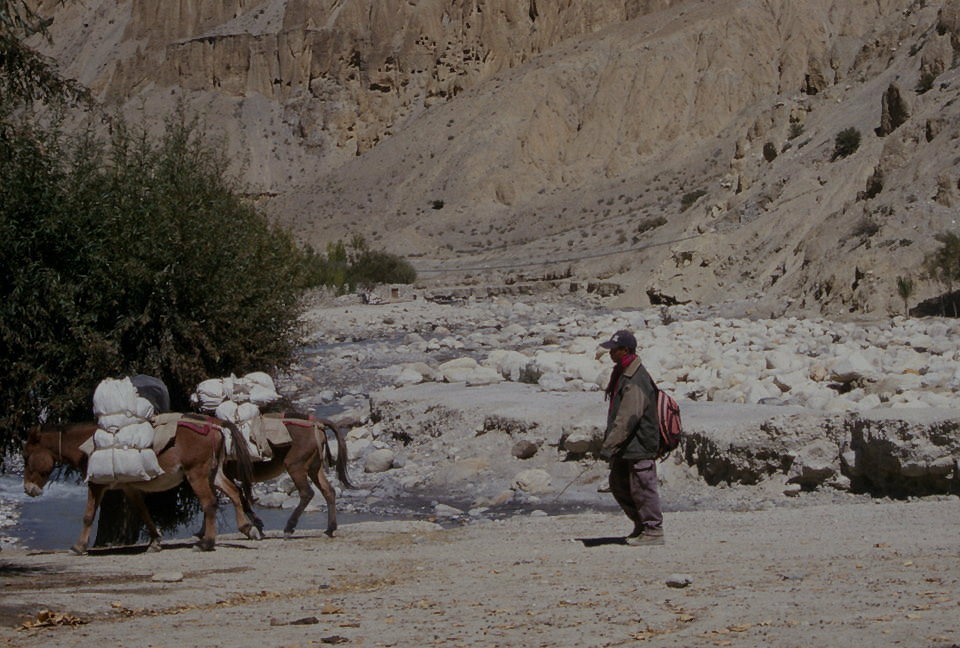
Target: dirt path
x=878 y=574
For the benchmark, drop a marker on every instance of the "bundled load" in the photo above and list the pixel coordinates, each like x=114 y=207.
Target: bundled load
x=239 y=400
x=123 y=443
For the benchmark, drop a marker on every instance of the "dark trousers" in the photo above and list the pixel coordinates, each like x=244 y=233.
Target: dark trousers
x=634 y=486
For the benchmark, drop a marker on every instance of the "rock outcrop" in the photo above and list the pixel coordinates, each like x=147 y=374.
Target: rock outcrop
x=503 y=139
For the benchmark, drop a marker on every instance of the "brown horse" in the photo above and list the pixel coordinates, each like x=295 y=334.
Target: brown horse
x=304 y=459
x=196 y=453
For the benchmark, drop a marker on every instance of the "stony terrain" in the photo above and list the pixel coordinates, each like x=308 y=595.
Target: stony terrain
x=781 y=531
x=484 y=408
x=682 y=150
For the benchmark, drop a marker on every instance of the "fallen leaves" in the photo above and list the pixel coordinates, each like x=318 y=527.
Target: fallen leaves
x=47 y=619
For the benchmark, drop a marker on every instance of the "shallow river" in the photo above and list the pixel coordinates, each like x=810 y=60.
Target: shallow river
x=52 y=521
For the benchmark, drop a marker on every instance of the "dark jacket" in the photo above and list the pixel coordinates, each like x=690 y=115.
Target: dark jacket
x=632 y=428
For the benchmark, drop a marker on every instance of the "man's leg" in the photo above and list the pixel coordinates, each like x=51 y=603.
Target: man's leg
x=645 y=496
x=621 y=490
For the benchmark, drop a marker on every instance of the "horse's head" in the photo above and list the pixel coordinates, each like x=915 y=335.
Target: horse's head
x=38 y=463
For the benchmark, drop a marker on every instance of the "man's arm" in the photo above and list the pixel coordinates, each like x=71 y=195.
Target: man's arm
x=625 y=421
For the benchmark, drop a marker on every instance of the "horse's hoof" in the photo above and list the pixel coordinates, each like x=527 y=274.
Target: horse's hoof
x=252 y=532
x=329 y=532
x=203 y=545
x=154 y=547
x=79 y=550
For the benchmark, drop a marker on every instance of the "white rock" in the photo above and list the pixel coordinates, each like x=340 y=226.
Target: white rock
x=457 y=370
x=851 y=366
x=534 y=481
x=483 y=376
x=379 y=460
x=445 y=510
x=167 y=577
x=356 y=448
x=408 y=376
x=552 y=382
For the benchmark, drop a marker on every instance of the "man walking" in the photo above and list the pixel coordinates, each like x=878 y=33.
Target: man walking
x=632 y=439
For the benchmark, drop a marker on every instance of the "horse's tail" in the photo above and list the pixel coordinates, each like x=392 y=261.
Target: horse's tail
x=242 y=459
x=341 y=450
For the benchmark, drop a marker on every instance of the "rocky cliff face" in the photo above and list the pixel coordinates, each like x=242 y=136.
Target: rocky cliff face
x=495 y=137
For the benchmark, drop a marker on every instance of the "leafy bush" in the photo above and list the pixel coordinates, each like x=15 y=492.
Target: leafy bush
x=689 y=198
x=347 y=266
x=943 y=265
x=133 y=255
x=846 y=143
x=905 y=291
x=651 y=223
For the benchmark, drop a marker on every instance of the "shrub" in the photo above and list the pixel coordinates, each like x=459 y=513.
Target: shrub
x=689 y=198
x=769 y=152
x=943 y=264
x=376 y=267
x=846 y=143
x=651 y=223
x=925 y=83
x=866 y=228
x=905 y=290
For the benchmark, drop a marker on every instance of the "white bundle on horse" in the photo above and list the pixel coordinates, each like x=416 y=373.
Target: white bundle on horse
x=123 y=442
x=246 y=416
x=116 y=404
x=257 y=388
x=212 y=392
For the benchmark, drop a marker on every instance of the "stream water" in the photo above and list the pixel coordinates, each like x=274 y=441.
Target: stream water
x=52 y=521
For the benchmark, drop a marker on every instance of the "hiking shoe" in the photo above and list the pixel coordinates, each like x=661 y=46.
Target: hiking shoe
x=645 y=539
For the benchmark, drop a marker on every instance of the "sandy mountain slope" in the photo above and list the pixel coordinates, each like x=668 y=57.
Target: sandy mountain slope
x=500 y=140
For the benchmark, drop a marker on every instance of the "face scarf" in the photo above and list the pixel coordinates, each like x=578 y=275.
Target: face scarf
x=618 y=370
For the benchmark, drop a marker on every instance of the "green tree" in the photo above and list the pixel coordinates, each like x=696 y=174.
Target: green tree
x=377 y=267
x=905 y=290
x=133 y=255
x=25 y=74
x=943 y=265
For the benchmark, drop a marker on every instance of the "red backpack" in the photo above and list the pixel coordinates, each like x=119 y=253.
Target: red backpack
x=668 y=416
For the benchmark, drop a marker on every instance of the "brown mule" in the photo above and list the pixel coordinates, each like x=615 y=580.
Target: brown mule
x=196 y=455
x=304 y=459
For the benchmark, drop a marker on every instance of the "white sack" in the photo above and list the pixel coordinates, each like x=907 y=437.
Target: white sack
x=247 y=412
x=114 y=396
x=112 y=465
x=226 y=411
x=259 y=395
x=209 y=394
x=138 y=435
x=103 y=439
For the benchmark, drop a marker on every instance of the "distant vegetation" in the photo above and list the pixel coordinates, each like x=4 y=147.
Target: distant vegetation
x=846 y=143
x=905 y=290
x=353 y=265
x=689 y=198
x=943 y=264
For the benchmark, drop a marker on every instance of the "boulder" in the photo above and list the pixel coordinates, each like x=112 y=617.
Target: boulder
x=850 y=367
x=533 y=481
x=378 y=461
x=814 y=464
x=552 y=382
x=457 y=370
x=524 y=449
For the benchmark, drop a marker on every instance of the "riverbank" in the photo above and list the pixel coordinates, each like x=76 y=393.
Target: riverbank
x=879 y=573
